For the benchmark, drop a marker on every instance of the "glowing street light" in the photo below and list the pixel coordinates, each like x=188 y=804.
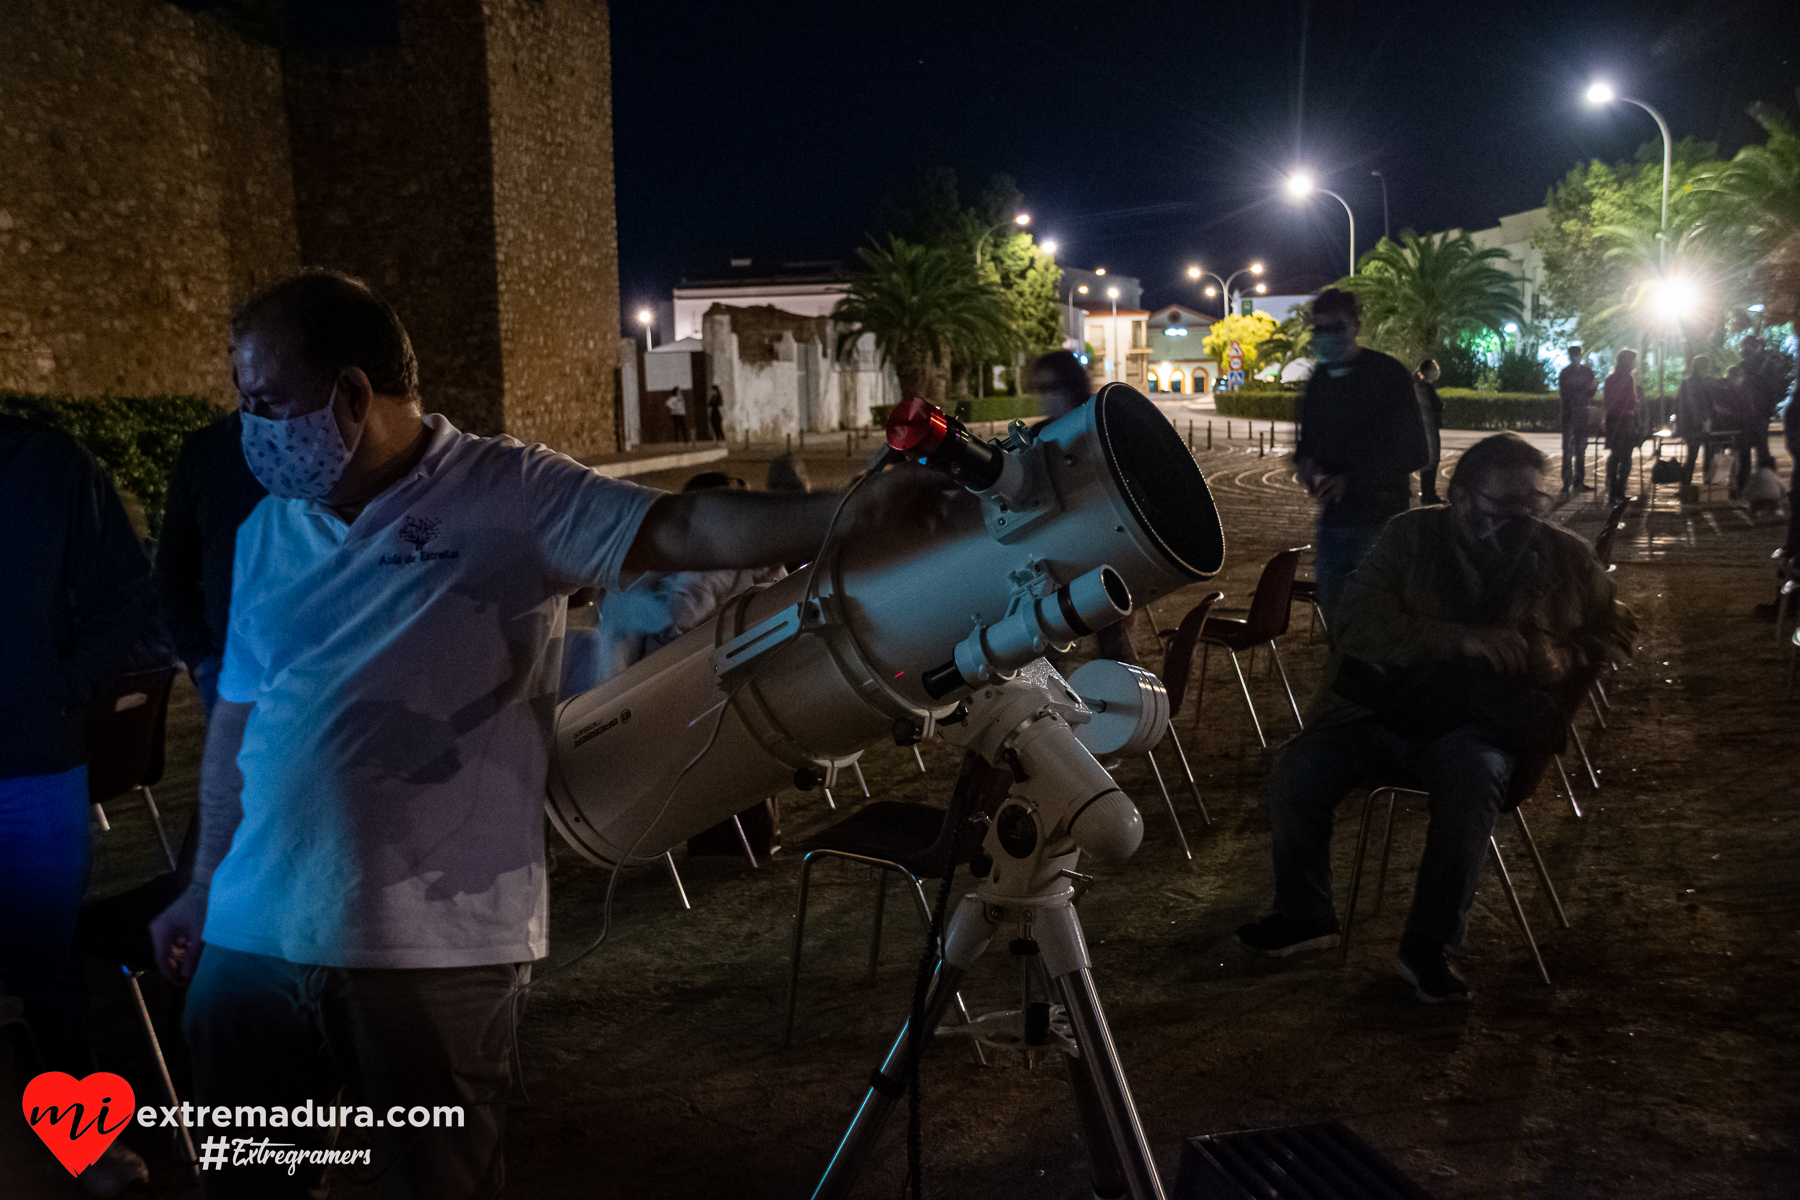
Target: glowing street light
x=1022 y=220
x=1050 y=246
x=1196 y=273
x=645 y=317
x=1099 y=270
x=1601 y=93
x=1019 y=219
x=1674 y=299
x=1300 y=185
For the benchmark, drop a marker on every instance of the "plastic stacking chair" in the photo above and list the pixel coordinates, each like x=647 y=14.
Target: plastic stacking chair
x=1270 y=610
x=125 y=730
x=1306 y=591
x=117 y=930
x=896 y=837
x=1525 y=782
x=1177 y=670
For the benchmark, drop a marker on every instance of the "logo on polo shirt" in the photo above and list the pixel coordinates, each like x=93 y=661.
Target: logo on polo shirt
x=418 y=532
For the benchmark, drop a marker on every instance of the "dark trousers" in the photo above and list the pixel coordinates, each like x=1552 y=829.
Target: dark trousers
x=44 y=858
x=1428 y=477
x=1693 y=454
x=679 y=421
x=1467 y=776
x=1337 y=551
x=267 y=1032
x=1574 y=446
x=1621 y=441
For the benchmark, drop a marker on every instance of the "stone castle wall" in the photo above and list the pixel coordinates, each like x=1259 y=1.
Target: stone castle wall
x=158 y=167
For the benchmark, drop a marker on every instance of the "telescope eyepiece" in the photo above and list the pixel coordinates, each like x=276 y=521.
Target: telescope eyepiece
x=922 y=431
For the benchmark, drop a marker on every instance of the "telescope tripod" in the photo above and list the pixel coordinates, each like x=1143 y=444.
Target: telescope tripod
x=1062 y=802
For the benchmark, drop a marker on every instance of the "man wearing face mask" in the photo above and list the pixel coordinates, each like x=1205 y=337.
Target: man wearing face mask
x=1362 y=435
x=369 y=887
x=1461 y=640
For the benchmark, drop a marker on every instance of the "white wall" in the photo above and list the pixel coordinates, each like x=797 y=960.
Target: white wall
x=805 y=300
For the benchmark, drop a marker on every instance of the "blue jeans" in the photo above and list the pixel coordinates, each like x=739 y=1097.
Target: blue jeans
x=45 y=851
x=206 y=679
x=1467 y=776
x=1337 y=551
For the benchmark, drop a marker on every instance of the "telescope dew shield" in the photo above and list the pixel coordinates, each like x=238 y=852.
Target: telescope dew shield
x=1114 y=496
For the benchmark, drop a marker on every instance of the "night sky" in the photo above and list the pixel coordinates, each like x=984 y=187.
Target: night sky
x=1148 y=136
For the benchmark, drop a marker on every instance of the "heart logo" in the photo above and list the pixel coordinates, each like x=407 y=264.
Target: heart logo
x=78 y=1118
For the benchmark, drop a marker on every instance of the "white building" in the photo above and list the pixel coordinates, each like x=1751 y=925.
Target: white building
x=804 y=289
x=1176 y=361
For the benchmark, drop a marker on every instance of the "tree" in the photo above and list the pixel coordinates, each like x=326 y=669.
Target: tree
x=1292 y=339
x=1253 y=334
x=1421 y=293
x=1756 y=198
x=1028 y=278
x=925 y=307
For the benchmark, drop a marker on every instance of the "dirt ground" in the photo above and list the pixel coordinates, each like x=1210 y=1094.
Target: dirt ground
x=1663 y=1062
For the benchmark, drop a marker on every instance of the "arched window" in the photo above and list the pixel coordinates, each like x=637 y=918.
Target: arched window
x=1176 y=381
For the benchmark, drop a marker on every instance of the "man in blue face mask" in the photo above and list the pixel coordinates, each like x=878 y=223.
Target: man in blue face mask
x=1361 y=436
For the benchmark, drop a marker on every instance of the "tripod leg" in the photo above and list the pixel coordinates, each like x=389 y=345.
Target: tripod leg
x=1108 y=1097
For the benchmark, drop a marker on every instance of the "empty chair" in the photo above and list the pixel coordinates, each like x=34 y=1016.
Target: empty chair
x=914 y=841
x=1177 y=671
x=1270 y=610
x=1306 y=591
x=125 y=729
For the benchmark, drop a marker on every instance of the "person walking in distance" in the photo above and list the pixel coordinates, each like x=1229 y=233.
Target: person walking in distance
x=715 y=414
x=1361 y=438
x=1576 y=387
x=678 y=415
x=1431 y=408
x=1694 y=421
x=1621 y=399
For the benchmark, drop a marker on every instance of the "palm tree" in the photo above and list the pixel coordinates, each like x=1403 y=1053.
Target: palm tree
x=1421 y=293
x=1757 y=194
x=925 y=307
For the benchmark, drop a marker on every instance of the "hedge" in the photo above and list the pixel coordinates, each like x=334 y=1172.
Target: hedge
x=135 y=438
x=986 y=408
x=1526 y=412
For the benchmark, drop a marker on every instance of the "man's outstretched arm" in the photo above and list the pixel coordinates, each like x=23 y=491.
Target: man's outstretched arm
x=176 y=931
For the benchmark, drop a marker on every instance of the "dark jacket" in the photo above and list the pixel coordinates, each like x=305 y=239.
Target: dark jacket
x=74 y=595
x=1576 y=385
x=1364 y=423
x=211 y=491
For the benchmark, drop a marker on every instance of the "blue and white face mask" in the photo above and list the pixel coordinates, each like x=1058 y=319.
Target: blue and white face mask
x=301 y=458
x=1333 y=348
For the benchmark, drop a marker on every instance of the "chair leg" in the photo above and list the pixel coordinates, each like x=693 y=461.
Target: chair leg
x=98 y=811
x=1150 y=757
x=182 y=1136
x=156 y=820
x=1356 y=866
x=1200 y=689
x=1276 y=655
x=1154 y=627
x=1568 y=785
x=1537 y=860
x=787 y=1028
x=881 y=882
x=1594 y=702
x=861 y=781
x=1245 y=684
x=1205 y=817
x=1593 y=775
x=744 y=840
x=1387 y=849
x=675 y=878
x=1518 y=911
x=918 y=758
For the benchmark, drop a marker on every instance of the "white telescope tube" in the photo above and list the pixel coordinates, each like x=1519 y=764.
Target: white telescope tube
x=1110 y=484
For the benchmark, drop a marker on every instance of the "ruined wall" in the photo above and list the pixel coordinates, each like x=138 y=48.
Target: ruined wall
x=393 y=182
x=556 y=238
x=145 y=190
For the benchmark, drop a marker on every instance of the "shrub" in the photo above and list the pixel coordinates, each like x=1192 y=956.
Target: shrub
x=1267 y=403
x=1459 y=366
x=986 y=408
x=1523 y=412
x=1520 y=371
x=135 y=438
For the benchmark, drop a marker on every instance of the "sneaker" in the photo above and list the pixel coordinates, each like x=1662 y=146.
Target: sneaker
x=1424 y=965
x=1582 y=487
x=1277 y=937
x=114 y=1171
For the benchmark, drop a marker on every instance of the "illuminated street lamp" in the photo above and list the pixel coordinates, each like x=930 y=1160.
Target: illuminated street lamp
x=1112 y=337
x=645 y=317
x=1021 y=220
x=1050 y=247
x=1600 y=94
x=1300 y=185
x=1255 y=268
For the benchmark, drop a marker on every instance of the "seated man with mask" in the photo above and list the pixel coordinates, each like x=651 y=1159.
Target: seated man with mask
x=1461 y=639
x=369 y=887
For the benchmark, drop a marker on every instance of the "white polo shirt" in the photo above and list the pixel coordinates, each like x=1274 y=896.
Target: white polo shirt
x=404 y=670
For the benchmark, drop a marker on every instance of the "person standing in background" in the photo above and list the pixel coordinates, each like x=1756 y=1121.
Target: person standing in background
x=1431 y=408
x=1621 y=397
x=1576 y=387
x=1694 y=421
x=1766 y=377
x=678 y=415
x=1361 y=438
x=715 y=414
x=211 y=491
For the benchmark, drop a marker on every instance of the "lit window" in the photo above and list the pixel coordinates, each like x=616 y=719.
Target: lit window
x=1177 y=381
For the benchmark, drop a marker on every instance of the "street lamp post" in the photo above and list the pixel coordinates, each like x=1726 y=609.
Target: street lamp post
x=1112 y=337
x=1602 y=93
x=1021 y=220
x=1300 y=185
x=646 y=319
x=1254 y=268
